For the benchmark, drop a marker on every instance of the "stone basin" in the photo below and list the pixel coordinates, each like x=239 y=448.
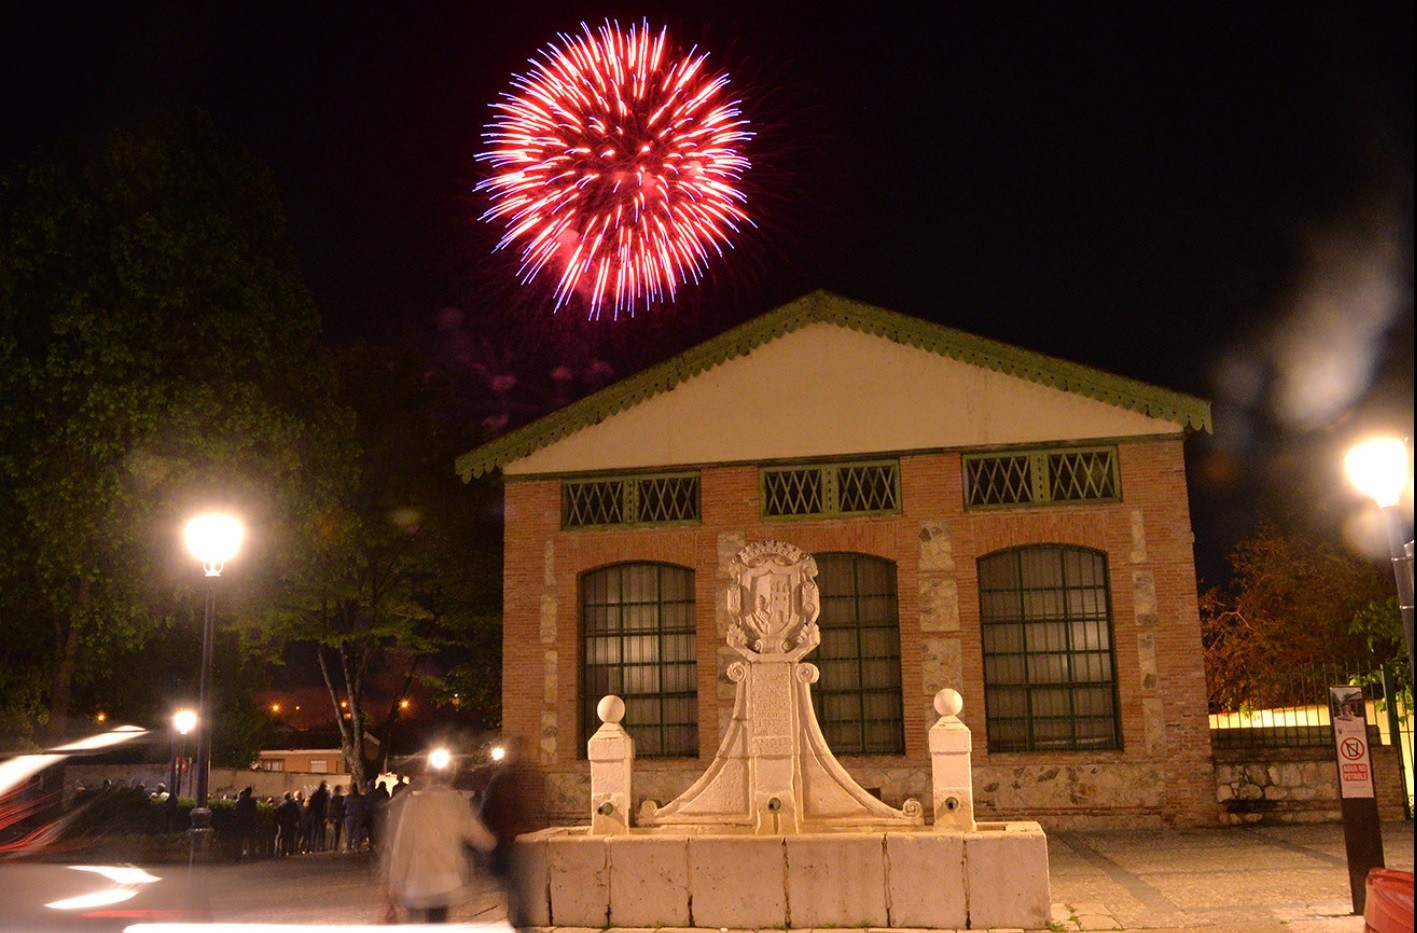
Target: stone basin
x=994 y=876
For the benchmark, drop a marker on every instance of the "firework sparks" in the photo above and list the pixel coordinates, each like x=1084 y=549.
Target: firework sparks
x=616 y=167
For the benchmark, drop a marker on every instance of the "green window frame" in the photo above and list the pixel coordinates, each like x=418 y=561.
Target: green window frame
x=620 y=501
x=822 y=490
x=1057 y=476
x=1050 y=667
x=858 y=696
x=638 y=642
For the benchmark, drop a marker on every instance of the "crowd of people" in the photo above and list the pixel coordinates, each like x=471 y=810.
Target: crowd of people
x=430 y=839
x=323 y=821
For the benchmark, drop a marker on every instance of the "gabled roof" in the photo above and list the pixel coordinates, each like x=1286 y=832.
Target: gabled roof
x=1186 y=411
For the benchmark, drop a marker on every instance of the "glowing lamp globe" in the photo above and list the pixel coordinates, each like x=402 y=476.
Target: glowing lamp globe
x=184 y=721
x=440 y=758
x=498 y=753
x=214 y=539
x=1379 y=469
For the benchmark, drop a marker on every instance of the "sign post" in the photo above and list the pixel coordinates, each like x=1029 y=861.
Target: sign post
x=1362 y=831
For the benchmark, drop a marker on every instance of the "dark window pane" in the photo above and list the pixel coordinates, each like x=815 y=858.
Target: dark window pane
x=638 y=642
x=1002 y=638
x=858 y=698
x=1049 y=682
x=1005 y=702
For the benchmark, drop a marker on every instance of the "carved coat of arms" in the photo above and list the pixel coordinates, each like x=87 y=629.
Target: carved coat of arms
x=773 y=600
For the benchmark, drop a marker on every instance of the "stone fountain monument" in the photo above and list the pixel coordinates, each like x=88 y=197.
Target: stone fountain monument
x=776 y=833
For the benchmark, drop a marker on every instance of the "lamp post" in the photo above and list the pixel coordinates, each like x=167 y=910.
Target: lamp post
x=1380 y=468
x=183 y=722
x=213 y=538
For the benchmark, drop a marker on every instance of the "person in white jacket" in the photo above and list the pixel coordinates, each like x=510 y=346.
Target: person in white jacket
x=426 y=863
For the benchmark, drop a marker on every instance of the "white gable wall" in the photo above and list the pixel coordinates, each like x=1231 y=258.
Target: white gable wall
x=826 y=390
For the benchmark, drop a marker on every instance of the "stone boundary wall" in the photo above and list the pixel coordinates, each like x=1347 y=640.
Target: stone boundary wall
x=223 y=782
x=1296 y=785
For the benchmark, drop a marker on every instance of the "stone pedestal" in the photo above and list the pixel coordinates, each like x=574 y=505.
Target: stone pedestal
x=612 y=765
x=950 y=742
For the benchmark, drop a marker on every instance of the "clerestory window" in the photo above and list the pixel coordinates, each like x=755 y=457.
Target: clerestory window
x=618 y=501
x=1041 y=477
x=831 y=489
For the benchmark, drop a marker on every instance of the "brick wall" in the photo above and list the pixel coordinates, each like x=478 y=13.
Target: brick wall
x=1162 y=775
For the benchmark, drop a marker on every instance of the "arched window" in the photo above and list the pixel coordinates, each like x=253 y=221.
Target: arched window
x=1049 y=670
x=857 y=698
x=637 y=642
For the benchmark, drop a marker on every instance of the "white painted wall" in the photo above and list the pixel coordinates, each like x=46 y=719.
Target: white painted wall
x=826 y=390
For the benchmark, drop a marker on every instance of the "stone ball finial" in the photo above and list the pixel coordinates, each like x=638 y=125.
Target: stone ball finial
x=610 y=709
x=948 y=702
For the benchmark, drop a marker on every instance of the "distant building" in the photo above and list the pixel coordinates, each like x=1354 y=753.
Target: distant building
x=983 y=517
x=310 y=753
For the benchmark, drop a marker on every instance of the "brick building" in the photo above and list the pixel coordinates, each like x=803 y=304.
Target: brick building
x=983 y=517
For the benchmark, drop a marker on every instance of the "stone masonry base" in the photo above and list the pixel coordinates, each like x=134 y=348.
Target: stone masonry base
x=994 y=877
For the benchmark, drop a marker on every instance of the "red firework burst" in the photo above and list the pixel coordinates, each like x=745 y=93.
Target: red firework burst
x=616 y=164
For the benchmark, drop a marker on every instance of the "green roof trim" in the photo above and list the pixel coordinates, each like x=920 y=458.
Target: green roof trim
x=824 y=307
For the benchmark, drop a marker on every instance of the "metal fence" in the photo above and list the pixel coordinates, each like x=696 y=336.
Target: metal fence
x=1307 y=724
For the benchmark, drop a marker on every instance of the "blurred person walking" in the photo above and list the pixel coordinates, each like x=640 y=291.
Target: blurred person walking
x=425 y=859
x=513 y=804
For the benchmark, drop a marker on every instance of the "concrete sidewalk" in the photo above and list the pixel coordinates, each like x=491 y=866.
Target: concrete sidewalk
x=1240 y=879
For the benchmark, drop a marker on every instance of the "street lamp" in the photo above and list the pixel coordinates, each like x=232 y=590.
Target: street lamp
x=183 y=721
x=214 y=539
x=1380 y=468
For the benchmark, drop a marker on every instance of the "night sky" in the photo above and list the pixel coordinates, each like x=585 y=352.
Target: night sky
x=1216 y=198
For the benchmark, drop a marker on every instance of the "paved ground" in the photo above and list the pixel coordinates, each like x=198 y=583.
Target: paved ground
x=1237 y=880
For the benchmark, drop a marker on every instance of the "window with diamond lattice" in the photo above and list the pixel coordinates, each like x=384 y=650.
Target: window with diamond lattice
x=1049 y=667
x=637 y=642
x=858 y=697
x=630 y=500
x=1041 y=477
x=831 y=489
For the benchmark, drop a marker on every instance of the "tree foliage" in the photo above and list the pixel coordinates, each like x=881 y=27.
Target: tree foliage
x=158 y=354
x=401 y=574
x=1292 y=606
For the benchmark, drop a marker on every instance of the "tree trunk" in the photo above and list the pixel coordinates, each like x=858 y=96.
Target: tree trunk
x=66 y=651
x=354 y=678
x=351 y=738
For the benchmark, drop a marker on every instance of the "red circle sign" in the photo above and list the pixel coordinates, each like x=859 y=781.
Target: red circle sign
x=1352 y=749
